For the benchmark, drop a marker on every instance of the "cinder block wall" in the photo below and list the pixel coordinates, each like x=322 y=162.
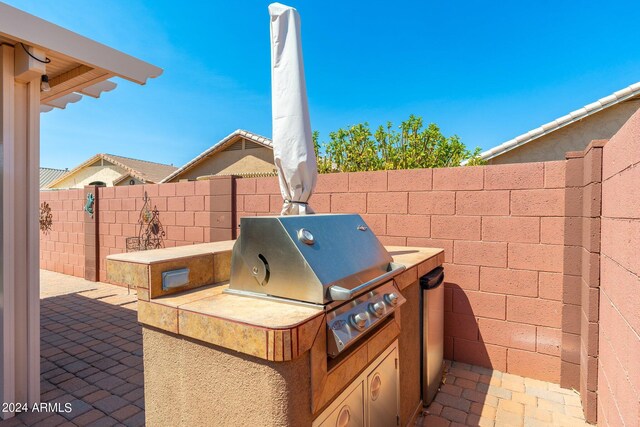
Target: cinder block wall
x=580 y=317
x=62 y=249
x=190 y=212
x=502 y=228
x=522 y=249
x=619 y=344
x=542 y=263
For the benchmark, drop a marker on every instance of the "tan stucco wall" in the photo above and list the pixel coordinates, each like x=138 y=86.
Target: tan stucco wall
x=574 y=137
x=106 y=174
x=253 y=160
x=190 y=383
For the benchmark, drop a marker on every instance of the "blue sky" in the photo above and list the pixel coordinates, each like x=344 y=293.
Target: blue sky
x=486 y=71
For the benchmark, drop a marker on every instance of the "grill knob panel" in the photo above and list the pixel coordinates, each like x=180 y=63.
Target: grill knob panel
x=359 y=321
x=391 y=298
x=377 y=308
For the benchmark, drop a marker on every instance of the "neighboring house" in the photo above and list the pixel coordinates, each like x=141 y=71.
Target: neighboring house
x=573 y=132
x=240 y=153
x=48 y=175
x=109 y=170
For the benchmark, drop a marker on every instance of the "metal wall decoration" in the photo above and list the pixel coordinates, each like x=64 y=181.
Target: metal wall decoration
x=150 y=233
x=46 y=219
x=88 y=207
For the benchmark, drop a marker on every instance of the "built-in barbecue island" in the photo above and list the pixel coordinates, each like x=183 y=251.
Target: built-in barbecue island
x=311 y=331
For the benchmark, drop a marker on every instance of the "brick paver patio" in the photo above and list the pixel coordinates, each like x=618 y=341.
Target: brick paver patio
x=91 y=355
x=475 y=396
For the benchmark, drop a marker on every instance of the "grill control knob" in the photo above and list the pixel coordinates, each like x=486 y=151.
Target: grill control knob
x=359 y=321
x=391 y=298
x=377 y=308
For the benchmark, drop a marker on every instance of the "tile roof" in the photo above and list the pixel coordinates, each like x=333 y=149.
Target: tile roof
x=629 y=92
x=48 y=175
x=219 y=146
x=145 y=171
x=149 y=172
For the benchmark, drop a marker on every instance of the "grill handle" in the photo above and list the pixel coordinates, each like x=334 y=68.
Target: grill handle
x=338 y=293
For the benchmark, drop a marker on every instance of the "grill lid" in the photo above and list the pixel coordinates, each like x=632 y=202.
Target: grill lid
x=311 y=258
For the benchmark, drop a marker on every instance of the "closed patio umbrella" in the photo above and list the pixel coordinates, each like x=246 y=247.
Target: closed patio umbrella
x=292 y=139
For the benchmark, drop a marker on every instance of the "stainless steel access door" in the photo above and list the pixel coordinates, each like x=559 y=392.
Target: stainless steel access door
x=382 y=393
x=349 y=412
x=432 y=333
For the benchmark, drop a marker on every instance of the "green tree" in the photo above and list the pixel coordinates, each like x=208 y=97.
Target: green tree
x=409 y=146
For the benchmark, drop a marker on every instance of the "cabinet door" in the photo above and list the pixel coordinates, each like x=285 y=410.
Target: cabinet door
x=349 y=411
x=382 y=393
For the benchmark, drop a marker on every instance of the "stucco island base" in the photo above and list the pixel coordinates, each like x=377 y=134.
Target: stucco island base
x=192 y=383
x=216 y=359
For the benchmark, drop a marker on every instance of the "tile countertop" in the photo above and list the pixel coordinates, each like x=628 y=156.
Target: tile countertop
x=168 y=254
x=267 y=329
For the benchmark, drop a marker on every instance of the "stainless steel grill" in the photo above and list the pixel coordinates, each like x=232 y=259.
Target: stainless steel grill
x=330 y=260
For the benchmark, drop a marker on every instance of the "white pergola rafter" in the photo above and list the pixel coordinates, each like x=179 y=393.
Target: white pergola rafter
x=96 y=90
x=33 y=31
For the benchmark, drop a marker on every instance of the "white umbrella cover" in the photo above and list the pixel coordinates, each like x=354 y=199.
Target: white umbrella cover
x=292 y=139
